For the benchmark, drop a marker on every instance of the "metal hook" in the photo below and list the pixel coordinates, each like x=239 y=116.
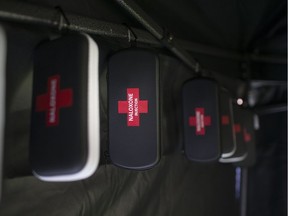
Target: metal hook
x=129 y=36
x=197 y=68
x=62 y=18
x=129 y=31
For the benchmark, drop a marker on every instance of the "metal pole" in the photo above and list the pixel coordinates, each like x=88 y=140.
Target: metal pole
x=166 y=39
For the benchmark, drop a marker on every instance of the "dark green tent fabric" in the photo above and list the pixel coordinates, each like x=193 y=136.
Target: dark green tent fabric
x=174 y=187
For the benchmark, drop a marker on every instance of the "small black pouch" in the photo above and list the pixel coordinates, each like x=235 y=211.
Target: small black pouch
x=228 y=143
x=201 y=120
x=248 y=134
x=65 y=126
x=133 y=92
x=241 y=146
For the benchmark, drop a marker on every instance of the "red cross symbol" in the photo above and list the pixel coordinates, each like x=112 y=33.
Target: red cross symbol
x=54 y=100
x=133 y=107
x=247 y=136
x=237 y=128
x=225 y=120
x=200 y=121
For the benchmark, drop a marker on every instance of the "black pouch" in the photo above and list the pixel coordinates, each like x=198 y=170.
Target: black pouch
x=133 y=95
x=248 y=134
x=241 y=146
x=201 y=120
x=228 y=143
x=65 y=125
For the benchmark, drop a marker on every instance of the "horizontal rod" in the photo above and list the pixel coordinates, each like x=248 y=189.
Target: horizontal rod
x=20 y=12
